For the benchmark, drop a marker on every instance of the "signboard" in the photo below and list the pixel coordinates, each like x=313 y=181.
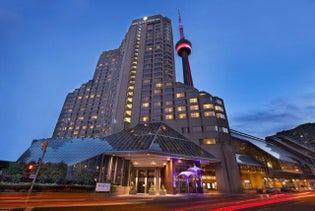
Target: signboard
x=32 y=176
x=102 y=187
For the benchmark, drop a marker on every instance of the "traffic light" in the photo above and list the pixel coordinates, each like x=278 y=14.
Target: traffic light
x=30 y=167
x=44 y=145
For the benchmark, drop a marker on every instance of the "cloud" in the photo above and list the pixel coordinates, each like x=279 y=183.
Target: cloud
x=280 y=114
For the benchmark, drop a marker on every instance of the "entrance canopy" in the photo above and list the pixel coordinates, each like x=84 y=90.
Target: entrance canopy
x=149 y=144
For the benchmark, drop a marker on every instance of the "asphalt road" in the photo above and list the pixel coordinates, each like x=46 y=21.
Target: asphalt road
x=304 y=201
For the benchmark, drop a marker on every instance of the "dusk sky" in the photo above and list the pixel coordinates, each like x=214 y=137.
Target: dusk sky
x=257 y=55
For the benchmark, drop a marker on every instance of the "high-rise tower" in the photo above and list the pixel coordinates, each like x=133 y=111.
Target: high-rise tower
x=183 y=49
x=136 y=83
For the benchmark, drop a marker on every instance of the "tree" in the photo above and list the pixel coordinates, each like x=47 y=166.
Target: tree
x=15 y=171
x=53 y=173
x=83 y=175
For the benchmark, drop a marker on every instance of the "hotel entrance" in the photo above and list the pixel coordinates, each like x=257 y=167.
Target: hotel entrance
x=146 y=179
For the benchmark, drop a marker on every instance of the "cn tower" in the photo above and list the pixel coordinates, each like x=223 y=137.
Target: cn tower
x=183 y=49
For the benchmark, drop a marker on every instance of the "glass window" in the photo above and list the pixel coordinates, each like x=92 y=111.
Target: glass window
x=181 y=108
x=169 y=116
x=159 y=85
x=145 y=105
x=209 y=114
x=185 y=129
x=208 y=141
x=197 y=129
x=179 y=95
x=218 y=108
x=127 y=119
x=157 y=91
x=182 y=116
x=157 y=104
x=195 y=115
x=145 y=118
x=207 y=106
x=221 y=116
x=193 y=100
x=168 y=103
x=170 y=109
x=211 y=128
x=194 y=107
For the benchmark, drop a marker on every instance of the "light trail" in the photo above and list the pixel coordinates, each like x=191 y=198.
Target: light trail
x=254 y=202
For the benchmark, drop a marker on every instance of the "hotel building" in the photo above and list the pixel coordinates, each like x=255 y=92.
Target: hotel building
x=134 y=124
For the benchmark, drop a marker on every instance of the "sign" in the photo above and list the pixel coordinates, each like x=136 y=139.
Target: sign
x=32 y=176
x=102 y=187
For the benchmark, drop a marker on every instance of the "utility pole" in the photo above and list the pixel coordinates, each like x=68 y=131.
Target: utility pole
x=40 y=160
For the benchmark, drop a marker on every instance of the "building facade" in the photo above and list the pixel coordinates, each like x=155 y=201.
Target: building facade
x=135 y=125
x=136 y=83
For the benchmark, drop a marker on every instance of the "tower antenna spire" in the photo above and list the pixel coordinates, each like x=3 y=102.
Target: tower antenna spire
x=181 y=28
x=183 y=49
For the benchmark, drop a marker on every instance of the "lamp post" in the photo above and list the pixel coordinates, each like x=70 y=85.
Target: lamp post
x=40 y=160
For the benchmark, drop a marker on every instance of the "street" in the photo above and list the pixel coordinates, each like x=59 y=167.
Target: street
x=99 y=201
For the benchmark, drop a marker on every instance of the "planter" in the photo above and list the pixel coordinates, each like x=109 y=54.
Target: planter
x=163 y=192
x=151 y=192
x=133 y=192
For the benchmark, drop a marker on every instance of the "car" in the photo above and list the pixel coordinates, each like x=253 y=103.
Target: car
x=272 y=190
x=288 y=189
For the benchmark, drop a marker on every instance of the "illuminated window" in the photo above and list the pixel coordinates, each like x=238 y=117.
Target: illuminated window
x=79 y=97
x=170 y=109
x=81 y=118
x=221 y=116
x=169 y=116
x=179 y=95
x=193 y=100
x=157 y=91
x=208 y=141
x=209 y=114
x=159 y=85
x=129 y=105
x=207 y=106
x=195 y=115
x=181 y=108
x=127 y=119
x=128 y=112
x=94 y=117
x=183 y=116
x=145 y=118
x=218 y=108
x=194 y=107
x=145 y=105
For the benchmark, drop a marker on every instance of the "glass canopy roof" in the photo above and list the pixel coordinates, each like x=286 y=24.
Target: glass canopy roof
x=155 y=138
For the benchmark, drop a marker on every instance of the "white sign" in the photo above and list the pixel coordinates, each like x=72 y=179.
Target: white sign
x=32 y=176
x=102 y=187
